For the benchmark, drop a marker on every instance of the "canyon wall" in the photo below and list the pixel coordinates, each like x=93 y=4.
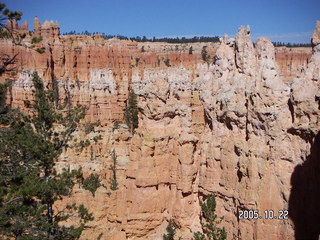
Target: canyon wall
x=238 y=125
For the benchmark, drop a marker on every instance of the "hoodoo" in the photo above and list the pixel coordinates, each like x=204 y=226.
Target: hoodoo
x=243 y=125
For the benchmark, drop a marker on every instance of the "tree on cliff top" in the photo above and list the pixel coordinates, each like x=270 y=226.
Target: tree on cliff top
x=30 y=185
x=209 y=222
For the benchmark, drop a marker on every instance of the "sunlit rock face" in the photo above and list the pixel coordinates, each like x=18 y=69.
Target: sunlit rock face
x=238 y=126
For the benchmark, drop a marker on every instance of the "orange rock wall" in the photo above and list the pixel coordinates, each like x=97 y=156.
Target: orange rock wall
x=226 y=128
x=293 y=61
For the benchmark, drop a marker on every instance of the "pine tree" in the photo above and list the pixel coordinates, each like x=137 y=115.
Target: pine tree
x=113 y=179
x=209 y=222
x=3 y=91
x=171 y=231
x=92 y=183
x=204 y=54
x=30 y=145
x=131 y=112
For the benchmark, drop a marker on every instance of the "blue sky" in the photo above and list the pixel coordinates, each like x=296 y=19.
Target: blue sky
x=280 y=20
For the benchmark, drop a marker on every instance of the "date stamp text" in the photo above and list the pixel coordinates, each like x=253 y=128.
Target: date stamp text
x=266 y=214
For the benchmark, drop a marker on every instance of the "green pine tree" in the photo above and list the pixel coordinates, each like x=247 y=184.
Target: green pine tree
x=92 y=183
x=209 y=222
x=30 y=145
x=113 y=179
x=171 y=231
x=204 y=54
x=131 y=112
x=3 y=91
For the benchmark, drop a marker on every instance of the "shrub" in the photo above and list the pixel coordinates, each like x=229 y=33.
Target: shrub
x=92 y=183
x=171 y=231
x=89 y=127
x=41 y=50
x=4 y=34
x=116 y=125
x=36 y=39
x=97 y=138
x=191 y=50
x=167 y=62
x=137 y=61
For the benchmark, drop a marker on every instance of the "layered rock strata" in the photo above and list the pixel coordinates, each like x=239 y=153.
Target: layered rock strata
x=238 y=126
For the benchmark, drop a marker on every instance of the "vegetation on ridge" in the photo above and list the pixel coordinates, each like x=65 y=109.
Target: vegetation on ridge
x=153 y=39
x=194 y=39
x=283 y=44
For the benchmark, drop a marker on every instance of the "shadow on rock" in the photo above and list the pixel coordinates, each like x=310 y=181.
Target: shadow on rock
x=304 y=202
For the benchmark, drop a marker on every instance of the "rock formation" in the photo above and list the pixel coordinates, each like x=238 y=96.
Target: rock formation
x=305 y=117
x=47 y=29
x=237 y=127
x=292 y=61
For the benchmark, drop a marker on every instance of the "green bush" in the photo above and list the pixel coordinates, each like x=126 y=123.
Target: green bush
x=191 y=50
x=92 y=183
x=3 y=92
x=167 y=62
x=36 y=39
x=97 y=138
x=4 y=34
x=116 y=125
x=171 y=231
x=41 y=50
x=137 y=61
x=89 y=127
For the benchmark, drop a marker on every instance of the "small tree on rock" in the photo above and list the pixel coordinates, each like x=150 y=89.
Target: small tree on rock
x=209 y=222
x=113 y=179
x=92 y=183
x=204 y=54
x=191 y=50
x=171 y=231
x=131 y=112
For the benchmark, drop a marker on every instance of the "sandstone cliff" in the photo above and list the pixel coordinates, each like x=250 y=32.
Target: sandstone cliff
x=238 y=127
